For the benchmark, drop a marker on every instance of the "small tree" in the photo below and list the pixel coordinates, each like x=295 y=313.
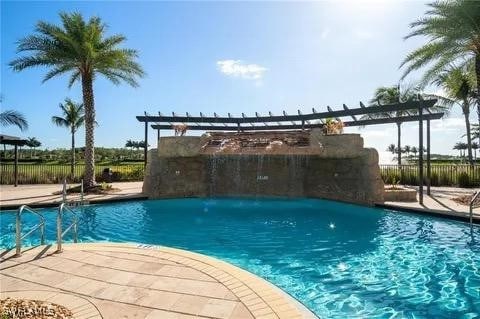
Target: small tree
x=33 y=143
x=73 y=118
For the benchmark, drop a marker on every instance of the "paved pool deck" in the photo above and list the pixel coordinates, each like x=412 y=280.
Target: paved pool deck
x=440 y=203
x=43 y=194
x=107 y=280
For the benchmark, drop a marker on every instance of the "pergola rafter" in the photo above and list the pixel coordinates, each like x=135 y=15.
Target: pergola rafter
x=410 y=111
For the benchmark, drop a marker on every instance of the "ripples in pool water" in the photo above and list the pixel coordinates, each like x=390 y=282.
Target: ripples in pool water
x=340 y=260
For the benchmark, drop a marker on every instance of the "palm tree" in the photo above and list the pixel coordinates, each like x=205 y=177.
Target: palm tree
x=390 y=95
x=33 y=143
x=414 y=150
x=81 y=48
x=458 y=147
x=10 y=117
x=129 y=144
x=407 y=149
x=458 y=85
x=452 y=33
x=475 y=147
x=73 y=117
x=474 y=131
x=391 y=148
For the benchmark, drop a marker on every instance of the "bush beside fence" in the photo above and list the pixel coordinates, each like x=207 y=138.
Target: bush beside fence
x=55 y=173
x=462 y=175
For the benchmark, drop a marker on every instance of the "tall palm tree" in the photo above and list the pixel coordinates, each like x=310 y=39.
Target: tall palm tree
x=82 y=49
x=73 y=117
x=385 y=95
x=407 y=149
x=452 y=32
x=33 y=143
x=458 y=85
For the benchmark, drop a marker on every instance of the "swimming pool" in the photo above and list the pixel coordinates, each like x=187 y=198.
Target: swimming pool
x=340 y=260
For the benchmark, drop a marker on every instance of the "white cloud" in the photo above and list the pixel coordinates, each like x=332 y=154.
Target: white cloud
x=238 y=68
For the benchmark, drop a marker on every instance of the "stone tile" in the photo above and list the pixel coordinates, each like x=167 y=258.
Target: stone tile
x=218 y=308
x=190 y=304
x=160 y=314
x=240 y=312
x=149 y=267
x=158 y=299
x=183 y=272
x=116 y=310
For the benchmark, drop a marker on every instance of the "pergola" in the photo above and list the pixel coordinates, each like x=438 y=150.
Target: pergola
x=16 y=142
x=411 y=111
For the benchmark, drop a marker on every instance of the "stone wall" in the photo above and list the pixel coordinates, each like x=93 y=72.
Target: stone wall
x=282 y=164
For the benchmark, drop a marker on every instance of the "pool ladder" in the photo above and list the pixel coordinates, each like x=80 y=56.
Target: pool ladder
x=474 y=198
x=62 y=209
x=18 y=228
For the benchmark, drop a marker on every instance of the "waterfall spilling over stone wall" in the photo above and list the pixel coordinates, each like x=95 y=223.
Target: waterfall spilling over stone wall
x=286 y=164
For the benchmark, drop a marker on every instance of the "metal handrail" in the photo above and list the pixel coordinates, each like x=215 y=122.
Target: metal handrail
x=474 y=198
x=63 y=207
x=18 y=228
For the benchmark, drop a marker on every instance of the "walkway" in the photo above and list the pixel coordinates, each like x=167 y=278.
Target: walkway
x=107 y=280
x=43 y=194
x=440 y=202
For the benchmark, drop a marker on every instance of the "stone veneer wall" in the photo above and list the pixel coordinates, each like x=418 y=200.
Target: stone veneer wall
x=334 y=167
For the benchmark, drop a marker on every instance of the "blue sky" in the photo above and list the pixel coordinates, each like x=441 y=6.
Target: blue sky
x=226 y=57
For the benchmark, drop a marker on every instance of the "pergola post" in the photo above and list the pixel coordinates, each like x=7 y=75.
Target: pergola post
x=429 y=182
x=145 y=148
x=420 y=151
x=15 y=169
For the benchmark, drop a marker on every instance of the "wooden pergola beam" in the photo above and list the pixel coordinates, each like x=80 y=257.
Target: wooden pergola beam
x=412 y=118
x=411 y=105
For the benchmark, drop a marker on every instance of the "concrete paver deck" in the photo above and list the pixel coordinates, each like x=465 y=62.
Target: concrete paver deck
x=106 y=280
x=440 y=202
x=42 y=194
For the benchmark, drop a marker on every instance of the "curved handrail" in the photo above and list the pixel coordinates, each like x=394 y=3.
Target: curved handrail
x=63 y=207
x=18 y=228
x=474 y=198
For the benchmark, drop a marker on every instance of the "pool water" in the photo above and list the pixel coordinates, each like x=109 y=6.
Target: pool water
x=340 y=260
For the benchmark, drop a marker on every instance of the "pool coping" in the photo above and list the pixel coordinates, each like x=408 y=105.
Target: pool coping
x=262 y=298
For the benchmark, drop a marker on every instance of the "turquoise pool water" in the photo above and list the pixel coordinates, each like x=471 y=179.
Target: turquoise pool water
x=340 y=260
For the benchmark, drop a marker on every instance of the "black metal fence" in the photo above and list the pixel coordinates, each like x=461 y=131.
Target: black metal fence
x=55 y=173
x=461 y=175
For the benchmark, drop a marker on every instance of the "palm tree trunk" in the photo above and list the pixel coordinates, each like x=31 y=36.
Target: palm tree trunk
x=399 y=146
x=466 y=113
x=477 y=74
x=72 y=168
x=88 y=102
